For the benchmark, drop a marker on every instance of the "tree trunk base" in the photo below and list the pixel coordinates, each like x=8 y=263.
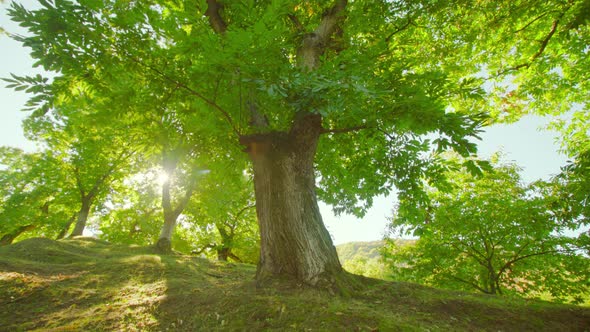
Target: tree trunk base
x=163 y=246
x=340 y=283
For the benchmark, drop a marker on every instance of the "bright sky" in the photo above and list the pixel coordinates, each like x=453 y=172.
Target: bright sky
x=524 y=143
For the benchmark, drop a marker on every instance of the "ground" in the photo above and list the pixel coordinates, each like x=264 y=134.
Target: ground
x=89 y=285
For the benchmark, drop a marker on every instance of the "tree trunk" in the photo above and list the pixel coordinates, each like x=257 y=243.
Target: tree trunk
x=82 y=217
x=294 y=241
x=9 y=238
x=164 y=244
x=223 y=254
x=66 y=228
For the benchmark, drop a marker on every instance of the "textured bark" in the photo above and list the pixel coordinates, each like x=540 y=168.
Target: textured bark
x=9 y=238
x=82 y=217
x=294 y=241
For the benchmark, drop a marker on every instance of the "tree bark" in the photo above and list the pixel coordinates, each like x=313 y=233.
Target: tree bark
x=9 y=238
x=294 y=241
x=82 y=216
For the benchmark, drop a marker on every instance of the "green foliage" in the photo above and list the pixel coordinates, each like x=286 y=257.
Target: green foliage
x=34 y=191
x=134 y=213
x=494 y=234
x=222 y=216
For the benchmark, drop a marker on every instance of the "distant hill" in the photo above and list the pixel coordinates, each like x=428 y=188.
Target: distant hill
x=365 y=258
x=366 y=250
x=90 y=285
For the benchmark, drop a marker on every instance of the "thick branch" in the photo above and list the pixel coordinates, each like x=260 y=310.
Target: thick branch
x=330 y=20
x=314 y=44
x=213 y=12
x=185 y=199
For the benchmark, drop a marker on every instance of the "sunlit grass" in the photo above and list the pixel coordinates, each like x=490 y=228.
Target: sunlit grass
x=119 y=288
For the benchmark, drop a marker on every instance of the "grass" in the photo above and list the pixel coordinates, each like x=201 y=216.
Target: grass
x=90 y=285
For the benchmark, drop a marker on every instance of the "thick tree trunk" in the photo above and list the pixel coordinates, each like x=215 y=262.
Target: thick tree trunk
x=294 y=241
x=223 y=254
x=9 y=238
x=82 y=217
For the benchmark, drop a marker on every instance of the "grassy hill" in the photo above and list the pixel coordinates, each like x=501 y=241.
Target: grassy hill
x=364 y=258
x=90 y=285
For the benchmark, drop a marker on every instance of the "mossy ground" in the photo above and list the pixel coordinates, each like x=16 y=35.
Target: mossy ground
x=90 y=285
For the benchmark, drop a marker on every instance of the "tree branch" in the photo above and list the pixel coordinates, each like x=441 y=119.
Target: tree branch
x=215 y=20
x=398 y=30
x=534 y=20
x=314 y=44
x=194 y=93
x=510 y=262
x=296 y=23
x=544 y=44
x=476 y=286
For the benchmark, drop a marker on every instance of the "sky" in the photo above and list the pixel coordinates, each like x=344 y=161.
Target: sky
x=524 y=143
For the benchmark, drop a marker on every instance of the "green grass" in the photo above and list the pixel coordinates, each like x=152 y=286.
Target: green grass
x=89 y=285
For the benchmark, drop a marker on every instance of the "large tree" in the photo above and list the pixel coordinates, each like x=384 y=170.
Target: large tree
x=344 y=91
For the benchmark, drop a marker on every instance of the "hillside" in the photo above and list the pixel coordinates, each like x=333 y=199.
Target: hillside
x=364 y=250
x=90 y=285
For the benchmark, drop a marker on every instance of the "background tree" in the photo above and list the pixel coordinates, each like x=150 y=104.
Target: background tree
x=224 y=217
x=360 y=92
x=494 y=234
x=134 y=213
x=34 y=195
x=93 y=158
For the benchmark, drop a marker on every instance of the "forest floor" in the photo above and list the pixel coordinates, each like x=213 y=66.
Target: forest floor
x=90 y=285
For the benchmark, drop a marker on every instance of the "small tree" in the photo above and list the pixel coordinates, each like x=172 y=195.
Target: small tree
x=224 y=217
x=491 y=233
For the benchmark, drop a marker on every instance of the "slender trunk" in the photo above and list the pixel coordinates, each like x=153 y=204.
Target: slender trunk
x=9 y=238
x=164 y=244
x=66 y=228
x=82 y=216
x=294 y=241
